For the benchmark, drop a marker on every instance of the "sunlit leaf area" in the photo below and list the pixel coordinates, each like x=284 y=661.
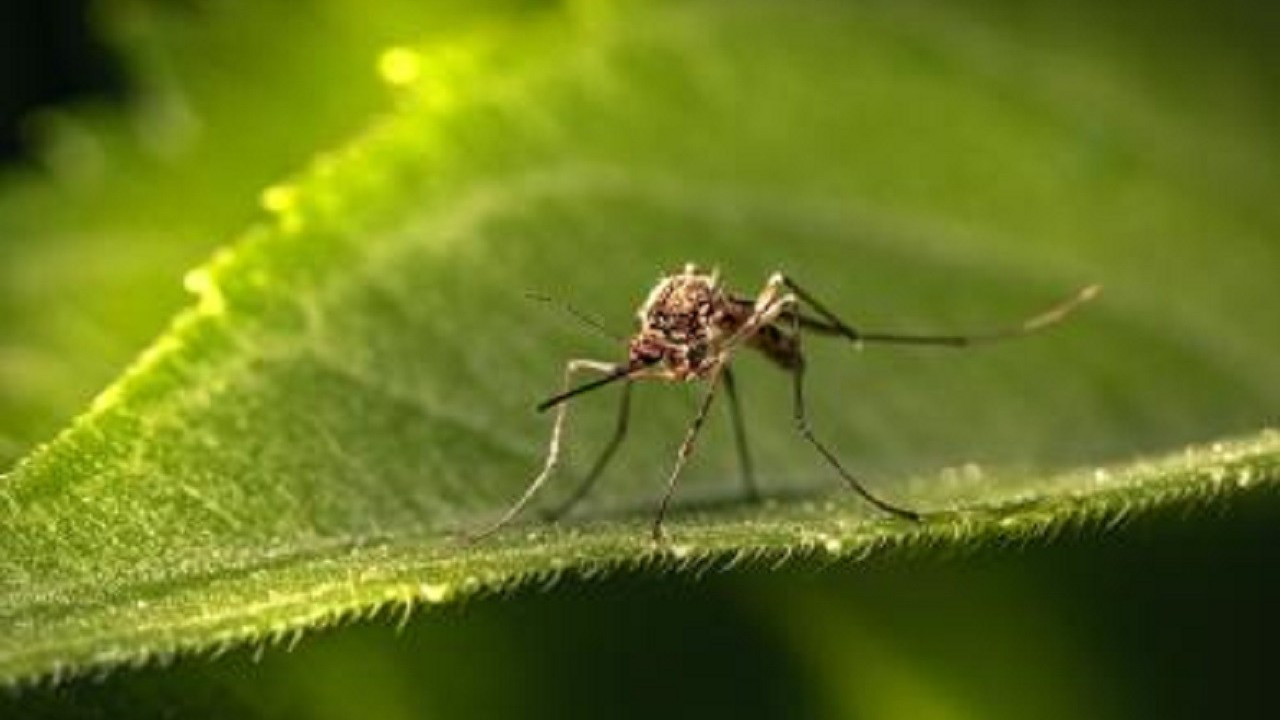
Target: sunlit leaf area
x=275 y=315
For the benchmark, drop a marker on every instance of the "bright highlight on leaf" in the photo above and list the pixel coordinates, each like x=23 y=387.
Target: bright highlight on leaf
x=198 y=282
x=399 y=66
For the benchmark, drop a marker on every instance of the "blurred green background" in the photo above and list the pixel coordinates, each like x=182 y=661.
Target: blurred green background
x=139 y=135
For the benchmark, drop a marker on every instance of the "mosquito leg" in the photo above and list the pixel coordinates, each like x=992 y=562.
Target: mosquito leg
x=740 y=437
x=830 y=324
x=553 y=449
x=802 y=423
x=619 y=432
x=682 y=455
x=836 y=324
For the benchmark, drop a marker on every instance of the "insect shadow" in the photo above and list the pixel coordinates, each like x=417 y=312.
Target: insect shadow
x=690 y=327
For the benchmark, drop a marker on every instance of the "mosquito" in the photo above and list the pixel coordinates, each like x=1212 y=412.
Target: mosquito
x=690 y=328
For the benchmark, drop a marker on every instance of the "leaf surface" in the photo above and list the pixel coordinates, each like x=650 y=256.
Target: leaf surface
x=353 y=386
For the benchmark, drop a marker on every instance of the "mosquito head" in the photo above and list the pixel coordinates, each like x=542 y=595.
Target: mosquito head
x=646 y=351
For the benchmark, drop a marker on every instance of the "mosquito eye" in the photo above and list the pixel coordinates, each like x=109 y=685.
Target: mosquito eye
x=646 y=352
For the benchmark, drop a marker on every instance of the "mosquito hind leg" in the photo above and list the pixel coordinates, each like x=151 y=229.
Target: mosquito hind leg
x=553 y=449
x=828 y=323
x=584 y=488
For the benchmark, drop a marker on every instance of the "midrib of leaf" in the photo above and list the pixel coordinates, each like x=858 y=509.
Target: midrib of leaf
x=261 y=470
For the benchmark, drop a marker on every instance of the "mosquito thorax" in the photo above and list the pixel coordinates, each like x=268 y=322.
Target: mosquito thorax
x=684 y=308
x=682 y=320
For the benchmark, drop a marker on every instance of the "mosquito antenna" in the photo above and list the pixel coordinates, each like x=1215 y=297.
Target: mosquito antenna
x=622 y=371
x=576 y=313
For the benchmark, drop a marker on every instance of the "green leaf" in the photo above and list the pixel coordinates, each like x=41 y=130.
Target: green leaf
x=92 y=245
x=353 y=386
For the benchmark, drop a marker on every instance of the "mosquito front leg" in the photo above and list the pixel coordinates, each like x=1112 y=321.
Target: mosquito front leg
x=553 y=450
x=686 y=447
x=802 y=424
x=619 y=432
